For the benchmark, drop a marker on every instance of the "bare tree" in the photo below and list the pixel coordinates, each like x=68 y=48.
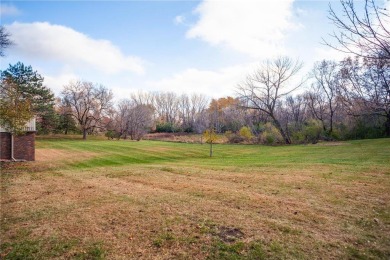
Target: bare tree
x=140 y=120
x=268 y=85
x=184 y=106
x=90 y=104
x=292 y=113
x=66 y=122
x=133 y=119
x=5 y=41
x=323 y=99
x=199 y=103
x=365 y=35
x=202 y=122
x=317 y=106
x=121 y=120
x=166 y=105
x=189 y=107
x=298 y=110
x=366 y=88
x=142 y=98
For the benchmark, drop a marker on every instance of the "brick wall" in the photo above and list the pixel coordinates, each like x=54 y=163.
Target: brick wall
x=5 y=146
x=24 y=146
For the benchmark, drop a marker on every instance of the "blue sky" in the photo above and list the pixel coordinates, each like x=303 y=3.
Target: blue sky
x=203 y=47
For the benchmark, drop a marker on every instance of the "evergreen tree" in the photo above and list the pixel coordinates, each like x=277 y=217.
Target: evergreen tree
x=30 y=85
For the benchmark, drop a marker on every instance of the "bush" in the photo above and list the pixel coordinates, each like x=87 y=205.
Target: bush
x=298 y=137
x=233 y=138
x=366 y=127
x=111 y=134
x=188 y=129
x=166 y=128
x=335 y=135
x=246 y=133
x=312 y=131
x=270 y=135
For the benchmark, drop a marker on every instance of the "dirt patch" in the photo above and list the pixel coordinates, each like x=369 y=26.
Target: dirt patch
x=229 y=234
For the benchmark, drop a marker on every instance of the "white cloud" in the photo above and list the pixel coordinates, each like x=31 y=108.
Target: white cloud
x=57 y=82
x=180 y=19
x=257 y=28
x=42 y=40
x=218 y=83
x=8 y=10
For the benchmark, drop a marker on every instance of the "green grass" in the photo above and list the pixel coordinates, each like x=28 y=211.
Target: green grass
x=51 y=248
x=358 y=155
x=99 y=199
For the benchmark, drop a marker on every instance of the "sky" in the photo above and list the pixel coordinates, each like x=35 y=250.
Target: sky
x=206 y=46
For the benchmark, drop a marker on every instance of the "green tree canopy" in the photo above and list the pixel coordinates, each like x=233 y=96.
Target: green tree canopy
x=30 y=86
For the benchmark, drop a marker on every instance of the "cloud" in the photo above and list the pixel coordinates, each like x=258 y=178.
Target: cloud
x=218 y=83
x=8 y=10
x=42 y=40
x=256 y=28
x=57 y=82
x=180 y=19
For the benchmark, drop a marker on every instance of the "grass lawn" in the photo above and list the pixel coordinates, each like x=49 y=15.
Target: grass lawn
x=100 y=199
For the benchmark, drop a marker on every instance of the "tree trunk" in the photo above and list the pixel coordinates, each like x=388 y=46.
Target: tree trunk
x=323 y=126
x=84 y=134
x=331 y=123
x=280 y=128
x=211 y=149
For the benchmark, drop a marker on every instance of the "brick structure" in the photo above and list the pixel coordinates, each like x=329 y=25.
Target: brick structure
x=5 y=146
x=24 y=145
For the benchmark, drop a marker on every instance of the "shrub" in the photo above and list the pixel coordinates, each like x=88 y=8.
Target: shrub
x=111 y=134
x=366 y=127
x=166 y=128
x=312 y=131
x=233 y=138
x=298 y=137
x=270 y=135
x=246 y=133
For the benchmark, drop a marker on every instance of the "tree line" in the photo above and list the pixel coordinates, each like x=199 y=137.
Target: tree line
x=336 y=101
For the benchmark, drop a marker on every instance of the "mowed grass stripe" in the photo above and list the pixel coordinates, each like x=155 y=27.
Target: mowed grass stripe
x=118 y=153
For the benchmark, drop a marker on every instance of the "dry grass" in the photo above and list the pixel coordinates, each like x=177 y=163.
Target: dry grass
x=179 y=211
x=57 y=156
